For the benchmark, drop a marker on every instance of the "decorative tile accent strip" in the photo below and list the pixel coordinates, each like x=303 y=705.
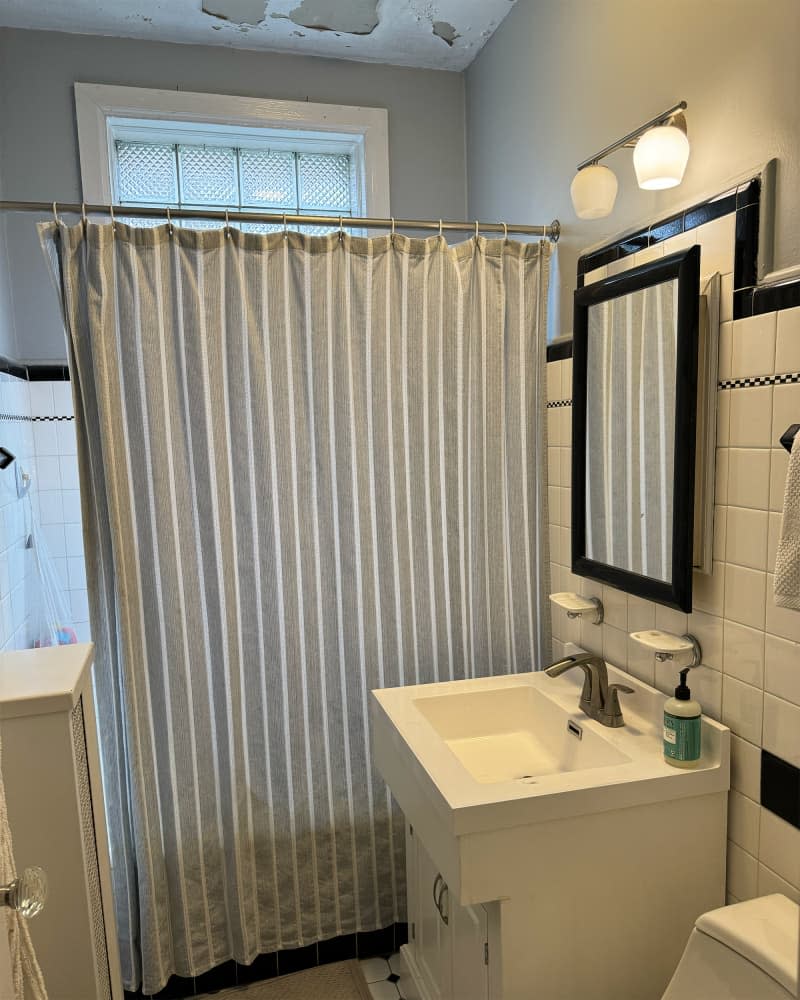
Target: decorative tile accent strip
x=752 y=381
x=554 y=403
x=27 y=419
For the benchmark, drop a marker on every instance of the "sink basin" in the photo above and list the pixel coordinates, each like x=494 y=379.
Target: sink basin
x=516 y=749
x=514 y=734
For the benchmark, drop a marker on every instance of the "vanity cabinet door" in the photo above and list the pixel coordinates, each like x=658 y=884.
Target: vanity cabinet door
x=470 y=952
x=433 y=947
x=449 y=942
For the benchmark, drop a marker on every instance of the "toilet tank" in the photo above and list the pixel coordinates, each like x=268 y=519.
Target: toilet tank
x=741 y=952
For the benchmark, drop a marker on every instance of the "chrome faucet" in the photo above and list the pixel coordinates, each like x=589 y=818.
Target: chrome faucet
x=599 y=699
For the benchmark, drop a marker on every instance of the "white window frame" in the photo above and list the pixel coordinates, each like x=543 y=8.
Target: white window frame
x=105 y=113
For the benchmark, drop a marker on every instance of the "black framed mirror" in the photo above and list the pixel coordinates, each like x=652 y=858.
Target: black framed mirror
x=635 y=353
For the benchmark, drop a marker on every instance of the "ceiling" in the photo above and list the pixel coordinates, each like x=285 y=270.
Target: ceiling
x=436 y=34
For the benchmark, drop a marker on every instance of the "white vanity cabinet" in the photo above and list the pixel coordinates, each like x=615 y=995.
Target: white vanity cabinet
x=549 y=857
x=448 y=947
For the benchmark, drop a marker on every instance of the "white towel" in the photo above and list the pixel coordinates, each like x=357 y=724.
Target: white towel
x=787 y=562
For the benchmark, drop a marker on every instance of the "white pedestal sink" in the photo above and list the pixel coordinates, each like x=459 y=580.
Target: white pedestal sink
x=549 y=857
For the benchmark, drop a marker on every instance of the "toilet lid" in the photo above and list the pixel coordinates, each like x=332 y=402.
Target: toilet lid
x=765 y=931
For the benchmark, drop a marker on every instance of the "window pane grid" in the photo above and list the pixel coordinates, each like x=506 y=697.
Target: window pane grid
x=196 y=177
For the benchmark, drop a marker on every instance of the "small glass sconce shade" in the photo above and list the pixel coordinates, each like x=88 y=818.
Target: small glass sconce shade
x=594 y=191
x=660 y=158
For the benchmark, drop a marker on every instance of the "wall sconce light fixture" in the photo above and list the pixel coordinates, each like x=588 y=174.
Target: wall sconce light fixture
x=660 y=154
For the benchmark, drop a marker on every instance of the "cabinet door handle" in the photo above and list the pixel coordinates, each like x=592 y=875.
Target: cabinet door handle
x=444 y=892
x=436 y=882
x=27 y=893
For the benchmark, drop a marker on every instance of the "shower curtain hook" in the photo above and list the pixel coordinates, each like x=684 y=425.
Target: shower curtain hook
x=55 y=214
x=227 y=226
x=441 y=227
x=341 y=229
x=84 y=220
x=477 y=225
x=392 y=236
x=170 y=227
x=285 y=227
x=113 y=220
x=505 y=232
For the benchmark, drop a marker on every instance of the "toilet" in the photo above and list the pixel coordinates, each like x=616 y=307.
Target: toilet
x=747 y=951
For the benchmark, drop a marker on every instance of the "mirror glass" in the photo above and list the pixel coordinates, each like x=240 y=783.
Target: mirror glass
x=630 y=430
x=635 y=357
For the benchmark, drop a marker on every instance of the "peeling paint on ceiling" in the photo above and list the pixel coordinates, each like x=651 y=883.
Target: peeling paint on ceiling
x=238 y=11
x=399 y=32
x=445 y=31
x=353 y=17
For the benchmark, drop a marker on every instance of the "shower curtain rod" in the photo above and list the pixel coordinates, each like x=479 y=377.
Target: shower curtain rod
x=551 y=231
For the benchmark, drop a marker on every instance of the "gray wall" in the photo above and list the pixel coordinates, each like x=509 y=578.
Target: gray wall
x=39 y=146
x=561 y=79
x=8 y=344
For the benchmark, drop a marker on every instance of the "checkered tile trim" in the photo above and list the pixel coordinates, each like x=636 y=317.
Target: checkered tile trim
x=555 y=403
x=26 y=419
x=756 y=380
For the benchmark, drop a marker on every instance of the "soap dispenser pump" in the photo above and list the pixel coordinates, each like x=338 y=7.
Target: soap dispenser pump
x=682 y=726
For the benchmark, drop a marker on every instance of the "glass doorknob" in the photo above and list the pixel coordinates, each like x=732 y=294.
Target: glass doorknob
x=27 y=893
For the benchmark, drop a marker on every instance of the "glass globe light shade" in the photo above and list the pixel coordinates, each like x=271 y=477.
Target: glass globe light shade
x=660 y=158
x=594 y=191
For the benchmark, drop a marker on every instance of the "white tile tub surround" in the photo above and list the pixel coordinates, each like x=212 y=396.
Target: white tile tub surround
x=17 y=437
x=750 y=677
x=45 y=449
x=56 y=493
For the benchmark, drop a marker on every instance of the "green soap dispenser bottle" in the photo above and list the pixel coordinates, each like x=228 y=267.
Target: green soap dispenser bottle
x=682 y=726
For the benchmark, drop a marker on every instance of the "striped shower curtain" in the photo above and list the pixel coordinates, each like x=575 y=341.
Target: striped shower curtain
x=310 y=467
x=630 y=427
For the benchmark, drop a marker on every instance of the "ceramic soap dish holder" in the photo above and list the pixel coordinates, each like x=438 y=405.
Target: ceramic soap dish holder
x=665 y=646
x=578 y=606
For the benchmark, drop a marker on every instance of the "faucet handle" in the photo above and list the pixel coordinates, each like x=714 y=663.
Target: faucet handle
x=612 y=708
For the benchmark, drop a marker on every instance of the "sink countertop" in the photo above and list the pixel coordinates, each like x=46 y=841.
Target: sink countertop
x=417 y=762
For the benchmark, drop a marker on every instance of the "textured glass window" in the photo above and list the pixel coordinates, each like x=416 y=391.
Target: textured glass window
x=324 y=181
x=250 y=179
x=208 y=175
x=146 y=174
x=268 y=178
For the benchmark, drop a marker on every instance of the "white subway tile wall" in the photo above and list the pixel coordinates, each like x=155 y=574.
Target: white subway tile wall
x=46 y=449
x=750 y=677
x=16 y=435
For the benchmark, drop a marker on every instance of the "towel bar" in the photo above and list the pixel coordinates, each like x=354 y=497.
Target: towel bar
x=788 y=436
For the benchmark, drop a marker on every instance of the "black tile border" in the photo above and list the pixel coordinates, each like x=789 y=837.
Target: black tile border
x=9 y=367
x=363 y=944
x=560 y=350
x=748 y=298
x=773 y=298
x=780 y=787
x=554 y=404
x=34 y=372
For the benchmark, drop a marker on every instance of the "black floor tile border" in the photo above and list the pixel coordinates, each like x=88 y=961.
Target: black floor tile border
x=780 y=787
x=363 y=944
